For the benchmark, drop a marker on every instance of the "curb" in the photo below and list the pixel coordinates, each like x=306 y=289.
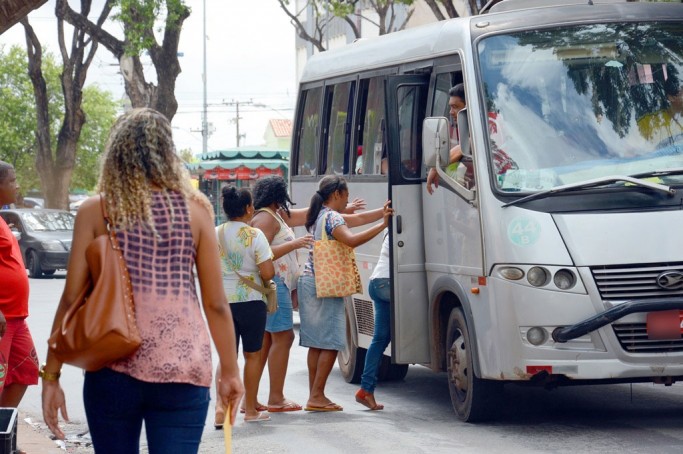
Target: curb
x=32 y=441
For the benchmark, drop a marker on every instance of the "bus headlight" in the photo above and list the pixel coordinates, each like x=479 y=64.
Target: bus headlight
x=537 y=276
x=564 y=279
x=537 y=335
x=511 y=273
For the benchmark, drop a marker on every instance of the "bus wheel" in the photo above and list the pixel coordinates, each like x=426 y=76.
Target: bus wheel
x=351 y=360
x=473 y=399
x=391 y=372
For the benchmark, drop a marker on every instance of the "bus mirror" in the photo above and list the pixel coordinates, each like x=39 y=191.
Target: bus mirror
x=435 y=141
x=464 y=132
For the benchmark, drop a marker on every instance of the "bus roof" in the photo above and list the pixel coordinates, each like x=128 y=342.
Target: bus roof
x=394 y=48
x=444 y=37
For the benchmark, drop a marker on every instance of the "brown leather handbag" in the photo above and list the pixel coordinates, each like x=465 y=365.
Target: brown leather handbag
x=99 y=326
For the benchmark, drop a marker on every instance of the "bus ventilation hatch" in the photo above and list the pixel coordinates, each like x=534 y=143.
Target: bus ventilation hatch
x=365 y=316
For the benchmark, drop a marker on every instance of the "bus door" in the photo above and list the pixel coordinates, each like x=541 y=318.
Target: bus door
x=406 y=100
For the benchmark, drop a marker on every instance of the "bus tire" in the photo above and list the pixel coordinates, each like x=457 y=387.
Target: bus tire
x=391 y=372
x=473 y=399
x=351 y=360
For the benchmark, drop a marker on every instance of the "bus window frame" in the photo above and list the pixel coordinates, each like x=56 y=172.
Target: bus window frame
x=328 y=98
x=296 y=143
x=382 y=73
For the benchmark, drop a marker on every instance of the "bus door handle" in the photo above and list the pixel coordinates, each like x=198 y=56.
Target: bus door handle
x=399 y=224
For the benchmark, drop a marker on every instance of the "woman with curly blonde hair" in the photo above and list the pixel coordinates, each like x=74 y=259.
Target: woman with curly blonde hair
x=164 y=228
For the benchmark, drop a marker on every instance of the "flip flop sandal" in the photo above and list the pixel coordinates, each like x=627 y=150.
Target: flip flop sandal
x=329 y=407
x=259 y=407
x=287 y=406
x=262 y=416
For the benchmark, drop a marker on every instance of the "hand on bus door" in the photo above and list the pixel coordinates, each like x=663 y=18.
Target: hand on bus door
x=387 y=213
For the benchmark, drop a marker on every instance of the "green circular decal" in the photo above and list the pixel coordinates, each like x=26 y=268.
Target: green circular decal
x=524 y=231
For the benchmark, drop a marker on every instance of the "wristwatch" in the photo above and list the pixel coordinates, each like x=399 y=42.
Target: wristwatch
x=49 y=376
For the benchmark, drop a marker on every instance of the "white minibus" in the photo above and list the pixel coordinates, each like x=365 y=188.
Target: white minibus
x=555 y=256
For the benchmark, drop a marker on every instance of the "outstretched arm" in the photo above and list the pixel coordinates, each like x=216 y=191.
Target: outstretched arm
x=297 y=216
x=344 y=234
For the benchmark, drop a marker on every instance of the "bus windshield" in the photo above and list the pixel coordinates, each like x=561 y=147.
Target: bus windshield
x=566 y=105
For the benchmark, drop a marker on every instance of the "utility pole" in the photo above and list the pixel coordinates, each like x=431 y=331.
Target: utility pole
x=236 y=119
x=205 y=123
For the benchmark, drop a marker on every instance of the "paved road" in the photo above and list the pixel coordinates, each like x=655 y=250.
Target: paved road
x=418 y=418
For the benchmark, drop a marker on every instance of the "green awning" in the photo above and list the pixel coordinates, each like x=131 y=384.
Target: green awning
x=251 y=164
x=246 y=153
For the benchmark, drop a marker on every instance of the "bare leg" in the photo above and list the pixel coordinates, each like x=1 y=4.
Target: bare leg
x=252 y=374
x=278 y=359
x=312 y=360
x=265 y=349
x=12 y=395
x=262 y=360
x=326 y=359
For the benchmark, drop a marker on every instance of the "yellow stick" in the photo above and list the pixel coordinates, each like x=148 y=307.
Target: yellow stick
x=227 y=431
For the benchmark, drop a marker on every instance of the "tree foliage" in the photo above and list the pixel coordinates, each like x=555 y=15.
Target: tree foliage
x=18 y=122
x=446 y=9
x=316 y=26
x=149 y=27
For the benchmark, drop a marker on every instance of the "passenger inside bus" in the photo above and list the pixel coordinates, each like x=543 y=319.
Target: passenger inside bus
x=457 y=168
x=456 y=102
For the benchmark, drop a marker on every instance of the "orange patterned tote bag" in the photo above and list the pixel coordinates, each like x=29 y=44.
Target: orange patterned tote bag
x=336 y=272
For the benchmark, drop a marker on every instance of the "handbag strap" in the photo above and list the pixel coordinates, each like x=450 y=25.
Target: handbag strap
x=107 y=221
x=274 y=214
x=247 y=282
x=323 y=234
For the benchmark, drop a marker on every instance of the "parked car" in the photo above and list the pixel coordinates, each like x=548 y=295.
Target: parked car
x=33 y=202
x=30 y=202
x=44 y=237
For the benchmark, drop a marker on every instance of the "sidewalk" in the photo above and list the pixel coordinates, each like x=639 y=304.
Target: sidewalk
x=34 y=441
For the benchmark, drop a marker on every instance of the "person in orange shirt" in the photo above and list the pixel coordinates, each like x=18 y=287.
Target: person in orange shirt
x=18 y=357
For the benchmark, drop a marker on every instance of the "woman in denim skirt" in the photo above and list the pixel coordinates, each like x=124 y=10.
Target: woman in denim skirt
x=323 y=325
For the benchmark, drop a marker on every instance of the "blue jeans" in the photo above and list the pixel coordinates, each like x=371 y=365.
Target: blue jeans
x=116 y=404
x=380 y=292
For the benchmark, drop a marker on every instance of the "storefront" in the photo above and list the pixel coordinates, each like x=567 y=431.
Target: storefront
x=240 y=167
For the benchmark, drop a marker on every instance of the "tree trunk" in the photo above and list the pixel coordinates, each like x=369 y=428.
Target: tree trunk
x=435 y=9
x=56 y=169
x=141 y=93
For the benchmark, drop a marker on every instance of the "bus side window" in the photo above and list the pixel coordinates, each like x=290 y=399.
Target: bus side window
x=371 y=128
x=307 y=148
x=338 y=130
x=441 y=86
x=411 y=107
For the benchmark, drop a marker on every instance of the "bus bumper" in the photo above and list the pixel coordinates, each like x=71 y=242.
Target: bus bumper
x=597 y=321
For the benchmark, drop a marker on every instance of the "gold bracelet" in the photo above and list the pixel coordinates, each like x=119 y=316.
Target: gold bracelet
x=49 y=376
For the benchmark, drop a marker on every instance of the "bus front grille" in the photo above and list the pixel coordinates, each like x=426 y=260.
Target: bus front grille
x=639 y=281
x=365 y=316
x=633 y=338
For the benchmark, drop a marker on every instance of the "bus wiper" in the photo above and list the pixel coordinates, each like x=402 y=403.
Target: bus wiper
x=602 y=181
x=659 y=173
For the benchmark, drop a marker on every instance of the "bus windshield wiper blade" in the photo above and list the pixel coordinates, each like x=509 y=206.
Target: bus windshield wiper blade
x=659 y=173
x=592 y=183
